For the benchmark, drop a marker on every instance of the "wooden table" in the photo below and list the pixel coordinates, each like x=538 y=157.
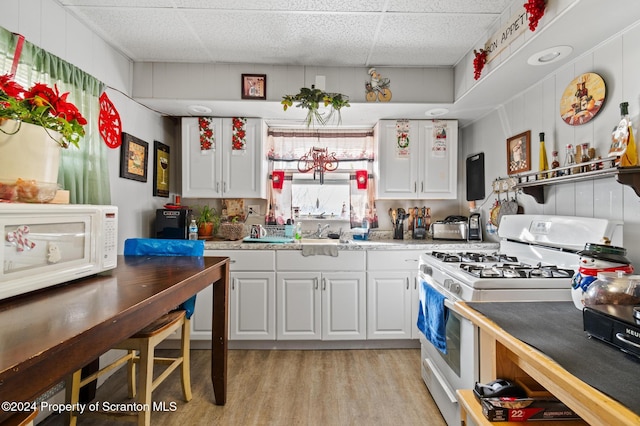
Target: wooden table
x=47 y=335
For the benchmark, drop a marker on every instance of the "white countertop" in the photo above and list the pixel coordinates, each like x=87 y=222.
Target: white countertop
x=383 y=244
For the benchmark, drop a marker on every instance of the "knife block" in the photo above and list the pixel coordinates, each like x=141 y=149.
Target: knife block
x=419 y=233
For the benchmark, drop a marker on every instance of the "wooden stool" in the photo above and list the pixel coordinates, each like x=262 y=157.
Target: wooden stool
x=141 y=348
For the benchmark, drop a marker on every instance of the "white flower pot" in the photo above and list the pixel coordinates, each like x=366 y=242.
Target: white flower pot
x=30 y=154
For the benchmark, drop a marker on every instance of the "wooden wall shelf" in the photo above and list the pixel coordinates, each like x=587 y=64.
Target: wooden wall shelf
x=532 y=183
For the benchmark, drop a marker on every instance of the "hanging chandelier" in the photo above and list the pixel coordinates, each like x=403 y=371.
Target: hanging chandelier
x=319 y=160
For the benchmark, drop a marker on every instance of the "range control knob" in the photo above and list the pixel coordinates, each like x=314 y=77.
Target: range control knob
x=452 y=286
x=426 y=269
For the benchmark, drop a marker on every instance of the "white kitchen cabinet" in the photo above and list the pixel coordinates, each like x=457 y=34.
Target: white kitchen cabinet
x=317 y=305
x=222 y=171
x=392 y=294
x=428 y=170
x=252 y=297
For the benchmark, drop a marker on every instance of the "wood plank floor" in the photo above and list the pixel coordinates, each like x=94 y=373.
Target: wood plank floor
x=293 y=387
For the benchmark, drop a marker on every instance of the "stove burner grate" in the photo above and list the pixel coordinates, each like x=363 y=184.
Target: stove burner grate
x=470 y=257
x=509 y=270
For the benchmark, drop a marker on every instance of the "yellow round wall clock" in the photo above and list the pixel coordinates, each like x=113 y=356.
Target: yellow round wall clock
x=582 y=99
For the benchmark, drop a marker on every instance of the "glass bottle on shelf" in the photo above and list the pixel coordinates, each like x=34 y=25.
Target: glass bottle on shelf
x=577 y=155
x=544 y=165
x=569 y=159
x=620 y=135
x=555 y=163
x=585 y=157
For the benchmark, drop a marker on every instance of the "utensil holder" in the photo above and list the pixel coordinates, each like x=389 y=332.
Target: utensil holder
x=398 y=232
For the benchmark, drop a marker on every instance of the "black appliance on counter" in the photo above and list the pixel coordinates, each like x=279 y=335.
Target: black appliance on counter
x=617 y=325
x=173 y=224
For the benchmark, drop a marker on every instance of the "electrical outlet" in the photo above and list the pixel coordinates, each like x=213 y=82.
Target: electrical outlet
x=254 y=209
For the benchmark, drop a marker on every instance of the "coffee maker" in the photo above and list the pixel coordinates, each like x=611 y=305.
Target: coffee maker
x=475 y=227
x=173 y=224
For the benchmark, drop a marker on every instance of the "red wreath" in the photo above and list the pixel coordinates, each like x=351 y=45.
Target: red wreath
x=478 y=62
x=109 y=123
x=535 y=8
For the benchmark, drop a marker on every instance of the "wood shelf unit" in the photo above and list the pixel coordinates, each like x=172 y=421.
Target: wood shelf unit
x=531 y=184
x=512 y=358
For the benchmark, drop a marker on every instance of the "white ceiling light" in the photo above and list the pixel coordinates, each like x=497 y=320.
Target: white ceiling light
x=199 y=109
x=547 y=56
x=436 y=112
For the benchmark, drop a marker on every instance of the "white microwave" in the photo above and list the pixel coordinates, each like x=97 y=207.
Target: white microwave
x=49 y=244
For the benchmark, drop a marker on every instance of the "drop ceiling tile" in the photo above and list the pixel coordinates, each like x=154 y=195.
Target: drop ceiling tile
x=450 y=6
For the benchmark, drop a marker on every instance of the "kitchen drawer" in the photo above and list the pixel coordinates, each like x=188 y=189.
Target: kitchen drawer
x=293 y=260
x=247 y=260
x=393 y=260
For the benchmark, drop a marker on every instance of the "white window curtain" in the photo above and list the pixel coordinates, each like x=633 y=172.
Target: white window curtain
x=84 y=171
x=354 y=150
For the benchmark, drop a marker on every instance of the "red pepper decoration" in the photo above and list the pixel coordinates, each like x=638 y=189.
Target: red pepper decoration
x=109 y=123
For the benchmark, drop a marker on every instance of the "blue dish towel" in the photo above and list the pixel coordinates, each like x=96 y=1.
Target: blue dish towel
x=432 y=316
x=160 y=247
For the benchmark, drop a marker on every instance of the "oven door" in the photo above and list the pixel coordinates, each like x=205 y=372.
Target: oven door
x=458 y=369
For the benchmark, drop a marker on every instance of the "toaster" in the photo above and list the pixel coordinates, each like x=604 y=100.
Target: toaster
x=451 y=228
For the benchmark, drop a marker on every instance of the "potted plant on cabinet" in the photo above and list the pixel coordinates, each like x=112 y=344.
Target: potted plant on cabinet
x=208 y=221
x=35 y=124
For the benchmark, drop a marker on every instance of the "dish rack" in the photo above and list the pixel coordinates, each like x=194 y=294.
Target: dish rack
x=281 y=231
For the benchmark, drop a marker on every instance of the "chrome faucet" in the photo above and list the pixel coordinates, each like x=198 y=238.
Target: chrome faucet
x=321 y=229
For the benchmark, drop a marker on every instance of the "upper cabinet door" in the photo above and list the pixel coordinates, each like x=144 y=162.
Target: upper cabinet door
x=397 y=165
x=244 y=170
x=420 y=163
x=438 y=159
x=223 y=171
x=201 y=168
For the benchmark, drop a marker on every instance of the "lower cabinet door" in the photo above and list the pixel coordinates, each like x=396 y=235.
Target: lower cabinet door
x=299 y=306
x=252 y=303
x=389 y=305
x=344 y=306
x=252 y=308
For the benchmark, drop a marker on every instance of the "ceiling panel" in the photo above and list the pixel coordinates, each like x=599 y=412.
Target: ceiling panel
x=296 y=32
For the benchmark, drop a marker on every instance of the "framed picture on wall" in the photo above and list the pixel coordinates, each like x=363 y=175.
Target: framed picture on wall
x=519 y=153
x=254 y=86
x=134 y=155
x=161 y=169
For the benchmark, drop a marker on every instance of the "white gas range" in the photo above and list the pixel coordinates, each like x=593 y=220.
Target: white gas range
x=535 y=262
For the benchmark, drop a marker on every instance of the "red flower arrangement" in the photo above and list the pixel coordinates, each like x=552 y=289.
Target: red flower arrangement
x=535 y=9
x=478 y=62
x=43 y=106
x=207 y=139
x=239 y=138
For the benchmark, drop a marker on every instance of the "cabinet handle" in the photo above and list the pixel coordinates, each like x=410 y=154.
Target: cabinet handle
x=233 y=284
x=415 y=283
x=217 y=187
x=407 y=283
x=224 y=186
x=422 y=186
x=324 y=284
x=315 y=280
x=415 y=186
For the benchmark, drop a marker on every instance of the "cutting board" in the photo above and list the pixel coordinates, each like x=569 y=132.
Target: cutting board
x=269 y=240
